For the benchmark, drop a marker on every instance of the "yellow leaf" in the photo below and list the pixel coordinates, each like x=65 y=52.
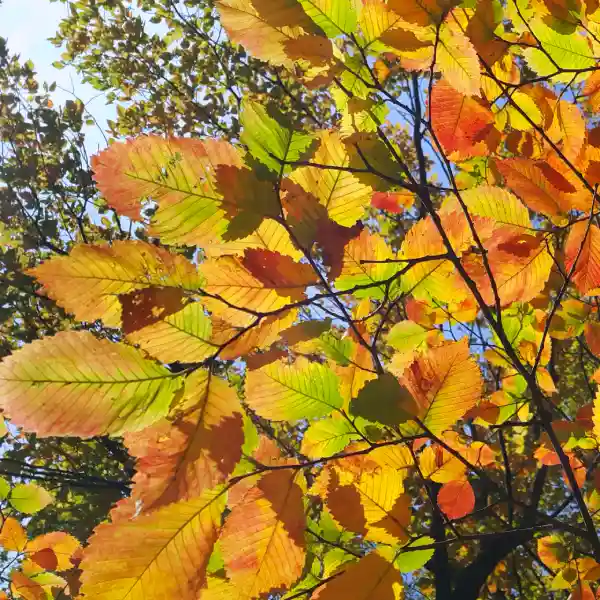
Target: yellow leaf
x=178 y=174
x=12 y=535
x=263 y=538
x=182 y=336
x=245 y=26
x=88 y=282
x=135 y=560
x=371 y=578
x=446 y=382
x=342 y=194
x=457 y=60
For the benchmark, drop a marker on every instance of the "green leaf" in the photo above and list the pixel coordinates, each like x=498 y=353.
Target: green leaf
x=384 y=401
x=29 y=498
x=268 y=141
x=4 y=488
x=334 y=17
x=328 y=437
x=335 y=348
x=414 y=559
x=406 y=336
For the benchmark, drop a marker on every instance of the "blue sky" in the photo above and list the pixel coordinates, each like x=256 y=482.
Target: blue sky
x=27 y=24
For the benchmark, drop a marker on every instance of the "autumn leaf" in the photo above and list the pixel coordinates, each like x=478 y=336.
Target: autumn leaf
x=194 y=449
x=303 y=390
x=461 y=123
x=79 y=371
x=342 y=194
x=268 y=141
x=456 y=499
x=371 y=578
x=587 y=270
x=126 y=560
x=90 y=280
x=178 y=174
x=446 y=382
x=263 y=537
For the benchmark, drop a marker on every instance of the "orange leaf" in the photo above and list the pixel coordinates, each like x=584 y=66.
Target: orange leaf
x=195 y=450
x=45 y=558
x=456 y=499
x=446 y=382
x=587 y=271
x=26 y=588
x=263 y=538
x=528 y=179
x=394 y=202
x=277 y=271
x=371 y=578
x=592 y=336
x=12 y=535
x=461 y=123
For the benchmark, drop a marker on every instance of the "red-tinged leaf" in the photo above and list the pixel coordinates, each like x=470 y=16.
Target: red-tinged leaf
x=394 y=202
x=263 y=541
x=582 y=591
x=246 y=200
x=277 y=271
x=146 y=307
x=64 y=546
x=558 y=180
x=131 y=560
x=586 y=245
x=446 y=382
x=456 y=499
x=520 y=264
x=317 y=49
x=177 y=173
x=371 y=578
x=45 y=558
x=333 y=239
x=195 y=449
x=461 y=123
x=592 y=336
x=88 y=282
x=526 y=179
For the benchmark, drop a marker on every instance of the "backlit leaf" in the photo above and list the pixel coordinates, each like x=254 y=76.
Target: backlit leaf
x=192 y=451
x=303 y=390
x=29 y=498
x=76 y=384
x=328 y=437
x=269 y=141
x=88 y=282
x=587 y=271
x=263 y=538
x=456 y=499
x=128 y=560
x=458 y=61
x=246 y=26
x=12 y=535
x=334 y=17
x=344 y=196
x=461 y=123
x=446 y=382
x=371 y=578
x=182 y=336
x=384 y=401
x=412 y=560
x=178 y=174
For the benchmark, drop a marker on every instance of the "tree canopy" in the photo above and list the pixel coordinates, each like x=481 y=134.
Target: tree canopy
x=321 y=320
